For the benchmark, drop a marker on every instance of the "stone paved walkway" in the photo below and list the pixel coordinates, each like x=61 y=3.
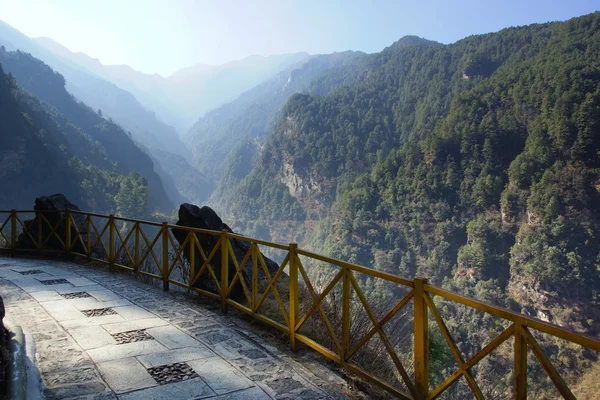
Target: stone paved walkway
x=106 y=336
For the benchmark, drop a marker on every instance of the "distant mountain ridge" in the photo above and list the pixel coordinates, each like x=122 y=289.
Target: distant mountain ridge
x=155 y=137
x=188 y=93
x=53 y=143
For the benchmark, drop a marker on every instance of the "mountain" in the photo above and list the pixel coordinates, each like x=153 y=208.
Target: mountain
x=34 y=156
x=148 y=88
x=98 y=93
x=189 y=92
x=215 y=136
x=200 y=89
x=158 y=139
x=474 y=164
x=76 y=129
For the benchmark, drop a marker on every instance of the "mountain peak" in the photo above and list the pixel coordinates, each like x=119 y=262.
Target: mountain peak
x=412 y=40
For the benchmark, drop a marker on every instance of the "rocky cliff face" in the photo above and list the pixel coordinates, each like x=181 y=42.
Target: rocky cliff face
x=52 y=225
x=205 y=218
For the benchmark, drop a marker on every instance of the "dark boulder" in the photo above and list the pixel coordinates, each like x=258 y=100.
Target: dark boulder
x=53 y=226
x=205 y=218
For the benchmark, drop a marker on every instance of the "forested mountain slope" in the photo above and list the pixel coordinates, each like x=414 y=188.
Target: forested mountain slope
x=158 y=139
x=98 y=93
x=475 y=164
x=95 y=141
x=36 y=157
x=214 y=137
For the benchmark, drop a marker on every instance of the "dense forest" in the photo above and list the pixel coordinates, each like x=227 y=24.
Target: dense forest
x=475 y=164
x=52 y=143
x=214 y=138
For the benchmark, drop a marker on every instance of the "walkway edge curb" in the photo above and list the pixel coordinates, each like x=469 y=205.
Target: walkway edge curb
x=16 y=375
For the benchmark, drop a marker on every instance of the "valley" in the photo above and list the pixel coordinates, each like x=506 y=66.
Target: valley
x=475 y=164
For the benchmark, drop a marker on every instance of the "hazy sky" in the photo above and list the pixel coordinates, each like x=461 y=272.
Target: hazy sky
x=165 y=35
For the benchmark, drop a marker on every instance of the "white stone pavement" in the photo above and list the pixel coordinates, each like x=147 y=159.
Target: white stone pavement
x=79 y=357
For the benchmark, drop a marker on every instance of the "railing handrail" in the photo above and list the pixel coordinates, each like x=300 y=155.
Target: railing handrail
x=419 y=292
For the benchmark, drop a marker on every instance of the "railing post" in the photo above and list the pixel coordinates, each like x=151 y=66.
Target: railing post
x=421 y=340
x=192 y=243
x=520 y=360
x=165 y=255
x=254 y=276
x=89 y=237
x=136 y=250
x=13 y=231
x=111 y=242
x=40 y=235
x=293 y=280
x=224 y=269
x=345 y=314
x=68 y=240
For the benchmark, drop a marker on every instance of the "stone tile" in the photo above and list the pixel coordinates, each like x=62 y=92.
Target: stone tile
x=67 y=376
x=175 y=356
x=64 y=313
x=47 y=295
x=72 y=289
x=92 y=337
x=190 y=389
x=117 y=351
x=103 y=294
x=134 y=325
x=91 y=303
x=212 y=337
x=172 y=337
x=133 y=312
x=221 y=376
x=254 y=393
x=125 y=375
x=81 y=323
x=233 y=348
x=80 y=282
x=86 y=390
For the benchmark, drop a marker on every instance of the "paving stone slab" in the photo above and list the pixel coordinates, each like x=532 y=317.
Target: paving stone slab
x=172 y=337
x=71 y=289
x=117 y=351
x=83 y=322
x=253 y=393
x=92 y=337
x=92 y=303
x=134 y=325
x=47 y=295
x=133 y=313
x=176 y=356
x=64 y=313
x=221 y=376
x=125 y=375
x=190 y=389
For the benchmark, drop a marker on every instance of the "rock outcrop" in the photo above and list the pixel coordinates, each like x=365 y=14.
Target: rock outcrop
x=205 y=218
x=55 y=221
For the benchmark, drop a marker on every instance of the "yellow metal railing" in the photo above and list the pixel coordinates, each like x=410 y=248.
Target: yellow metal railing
x=150 y=249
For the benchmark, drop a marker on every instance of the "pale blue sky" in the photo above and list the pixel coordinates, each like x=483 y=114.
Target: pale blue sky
x=165 y=35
